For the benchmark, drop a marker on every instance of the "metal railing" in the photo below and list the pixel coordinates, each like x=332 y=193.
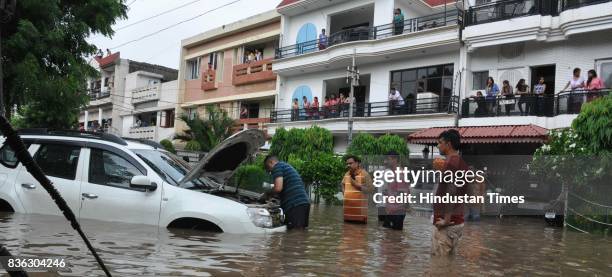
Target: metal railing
x=450 y=17
x=97 y=93
x=502 y=10
x=371 y=109
x=566 y=102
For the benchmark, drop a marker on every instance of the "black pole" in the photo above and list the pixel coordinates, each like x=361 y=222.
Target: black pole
x=15 y=142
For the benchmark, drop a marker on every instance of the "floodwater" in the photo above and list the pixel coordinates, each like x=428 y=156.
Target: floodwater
x=492 y=247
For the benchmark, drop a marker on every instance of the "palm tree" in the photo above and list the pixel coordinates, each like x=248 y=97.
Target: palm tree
x=205 y=134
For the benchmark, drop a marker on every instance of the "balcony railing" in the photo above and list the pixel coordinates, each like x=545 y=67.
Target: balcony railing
x=253 y=72
x=372 y=109
x=142 y=132
x=548 y=105
x=147 y=93
x=411 y=25
x=208 y=79
x=97 y=93
x=502 y=10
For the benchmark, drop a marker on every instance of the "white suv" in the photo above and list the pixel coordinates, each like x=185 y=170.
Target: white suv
x=107 y=178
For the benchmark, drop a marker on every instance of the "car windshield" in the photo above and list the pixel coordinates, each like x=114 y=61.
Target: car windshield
x=168 y=166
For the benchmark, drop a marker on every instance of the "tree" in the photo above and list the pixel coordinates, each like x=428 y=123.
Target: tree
x=372 y=150
x=206 y=134
x=304 y=143
x=44 y=54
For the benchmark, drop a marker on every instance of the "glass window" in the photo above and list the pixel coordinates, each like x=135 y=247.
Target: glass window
x=434 y=71
x=58 y=160
x=8 y=157
x=422 y=73
x=480 y=79
x=409 y=75
x=448 y=70
x=396 y=77
x=193 y=69
x=109 y=169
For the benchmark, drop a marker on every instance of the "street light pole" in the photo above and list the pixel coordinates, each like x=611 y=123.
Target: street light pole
x=352 y=73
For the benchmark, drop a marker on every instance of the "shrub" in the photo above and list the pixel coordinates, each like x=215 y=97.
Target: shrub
x=193 y=146
x=167 y=144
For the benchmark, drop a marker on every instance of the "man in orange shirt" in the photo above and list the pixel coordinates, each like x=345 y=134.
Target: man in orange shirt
x=355 y=185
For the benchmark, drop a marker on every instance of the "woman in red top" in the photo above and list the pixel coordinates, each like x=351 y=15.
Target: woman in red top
x=326 y=106
x=306 y=106
x=593 y=84
x=315 y=107
x=333 y=102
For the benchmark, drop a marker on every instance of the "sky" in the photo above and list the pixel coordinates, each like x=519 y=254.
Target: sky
x=163 y=48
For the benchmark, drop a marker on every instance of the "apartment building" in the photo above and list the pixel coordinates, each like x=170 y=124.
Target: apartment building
x=438 y=56
x=231 y=67
x=131 y=99
x=419 y=56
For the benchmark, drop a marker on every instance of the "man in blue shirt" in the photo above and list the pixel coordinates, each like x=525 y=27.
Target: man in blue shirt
x=290 y=187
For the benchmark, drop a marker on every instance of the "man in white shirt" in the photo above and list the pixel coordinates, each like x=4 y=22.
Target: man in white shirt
x=396 y=102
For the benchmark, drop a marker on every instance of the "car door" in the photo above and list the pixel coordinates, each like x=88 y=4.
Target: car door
x=106 y=193
x=61 y=162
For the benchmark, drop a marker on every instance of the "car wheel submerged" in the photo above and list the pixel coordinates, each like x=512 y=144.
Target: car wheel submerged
x=195 y=224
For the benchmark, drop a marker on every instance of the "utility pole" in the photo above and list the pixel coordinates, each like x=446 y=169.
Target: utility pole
x=352 y=73
x=7 y=10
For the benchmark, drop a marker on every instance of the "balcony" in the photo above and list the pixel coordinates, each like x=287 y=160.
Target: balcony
x=145 y=94
x=208 y=79
x=418 y=106
x=254 y=72
x=564 y=103
x=99 y=96
x=143 y=132
x=514 y=21
x=412 y=25
x=251 y=123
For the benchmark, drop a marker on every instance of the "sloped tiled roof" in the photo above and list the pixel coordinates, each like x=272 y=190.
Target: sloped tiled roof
x=485 y=134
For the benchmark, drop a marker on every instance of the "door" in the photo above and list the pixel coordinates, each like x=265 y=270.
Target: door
x=548 y=72
x=61 y=163
x=106 y=193
x=604 y=71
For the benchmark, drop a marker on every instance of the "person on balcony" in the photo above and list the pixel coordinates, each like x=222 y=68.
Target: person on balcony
x=492 y=90
x=396 y=101
x=398 y=22
x=258 y=55
x=481 y=104
x=295 y=110
x=342 y=107
x=326 y=107
x=522 y=90
x=315 y=108
x=306 y=106
x=250 y=57
x=576 y=84
x=333 y=103
x=508 y=95
x=593 y=85
x=244 y=112
x=538 y=94
x=322 y=40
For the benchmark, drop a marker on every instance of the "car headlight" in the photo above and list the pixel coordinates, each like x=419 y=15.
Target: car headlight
x=260 y=217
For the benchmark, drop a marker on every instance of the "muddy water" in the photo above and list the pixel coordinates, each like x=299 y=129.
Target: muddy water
x=514 y=246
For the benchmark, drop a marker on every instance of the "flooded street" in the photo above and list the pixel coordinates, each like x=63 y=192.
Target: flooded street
x=514 y=246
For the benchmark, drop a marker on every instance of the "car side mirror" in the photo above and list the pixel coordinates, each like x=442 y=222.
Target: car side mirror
x=142 y=182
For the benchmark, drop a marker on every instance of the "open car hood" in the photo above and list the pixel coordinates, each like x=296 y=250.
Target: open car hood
x=220 y=163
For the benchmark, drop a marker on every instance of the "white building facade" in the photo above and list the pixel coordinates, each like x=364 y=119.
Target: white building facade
x=436 y=58
x=131 y=99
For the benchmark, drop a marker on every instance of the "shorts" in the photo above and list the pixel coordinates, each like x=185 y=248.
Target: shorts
x=444 y=241
x=297 y=217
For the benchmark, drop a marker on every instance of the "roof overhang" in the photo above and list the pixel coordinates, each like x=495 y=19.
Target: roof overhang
x=485 y=134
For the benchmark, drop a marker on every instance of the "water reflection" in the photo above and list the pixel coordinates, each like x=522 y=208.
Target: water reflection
x=514 y=246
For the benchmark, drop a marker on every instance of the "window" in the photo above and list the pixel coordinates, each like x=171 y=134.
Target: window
x=8 y=157
x=193 y=69
x=433 y=79
x=58 y=160
x=109 y=169
x=168 y=119
x=192 y=113
x=480 y=80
